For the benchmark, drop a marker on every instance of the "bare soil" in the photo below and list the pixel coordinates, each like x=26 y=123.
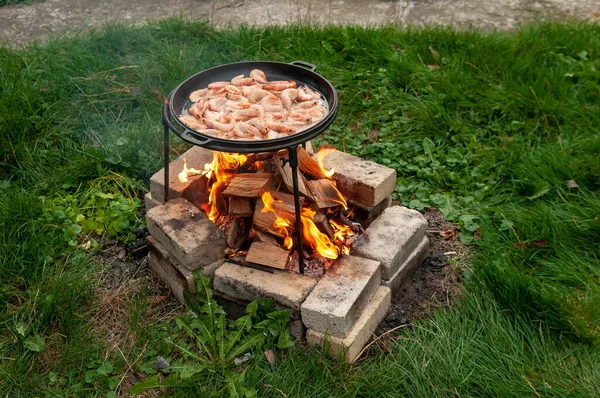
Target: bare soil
x=437 y=281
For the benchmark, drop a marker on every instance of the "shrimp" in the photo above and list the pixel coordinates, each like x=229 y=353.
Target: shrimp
x=279 y=85
x=242 y=81
x=208 y=114
x=281 y=127
x=191 y=122
x=271 y=104
x=260 y=125
x=196 y=95
x=303 y=95
x=198 y=108
x=211 y=132
x=257 y=93
x=288 y=96
x=218 y=85
x=215 y=104
x=271 y=135
x=247 y=128
x=224 y=127
x=307 y=104
x=252 y=112
x=258 y=75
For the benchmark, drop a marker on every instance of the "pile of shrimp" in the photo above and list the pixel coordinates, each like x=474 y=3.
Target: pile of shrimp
x=252 y=108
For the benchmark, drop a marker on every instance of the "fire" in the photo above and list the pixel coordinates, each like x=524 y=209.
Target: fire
x=281 y=224
x=185 y=173
x=340 y=233
x=321 y=157
x=317 y=240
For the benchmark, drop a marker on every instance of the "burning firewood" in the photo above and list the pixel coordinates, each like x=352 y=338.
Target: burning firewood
x=265 y=253
x=249 y=185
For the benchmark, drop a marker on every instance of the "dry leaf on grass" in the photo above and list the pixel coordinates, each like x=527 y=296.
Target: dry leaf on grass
x=572 y=184
x=270 y=357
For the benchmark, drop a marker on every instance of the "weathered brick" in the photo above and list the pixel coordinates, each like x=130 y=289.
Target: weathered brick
x=186 y=233
x=393 y=237
x=336 y=302
x=409 y=266
x=372 y=315
x=196 y=157
x=244 y=283
x=366 y=182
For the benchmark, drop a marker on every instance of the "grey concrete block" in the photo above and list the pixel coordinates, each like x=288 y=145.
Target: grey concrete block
x=392 y=238
x=150 y=202
x=409 y=266
x=244 y=283
x=186 y=233
x=196 y=157
x=338 y=299
x=366 y=182
x=372 y=315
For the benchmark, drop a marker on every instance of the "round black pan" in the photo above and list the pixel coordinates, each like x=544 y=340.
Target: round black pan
x=303 y=73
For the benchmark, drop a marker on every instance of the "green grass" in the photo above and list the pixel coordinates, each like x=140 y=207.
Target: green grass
x=490 y=138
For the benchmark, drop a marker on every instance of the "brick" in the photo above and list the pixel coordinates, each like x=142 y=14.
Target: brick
x=196 y=157
x=186 y=233
x=150 y=202
x=409 y=266
x=365 y=215
x=366 y=182
x=361 y=333
x=336 y=302
x=244 y=283
x=392 y=238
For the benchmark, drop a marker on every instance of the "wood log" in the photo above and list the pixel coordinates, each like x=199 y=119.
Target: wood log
x=249 y=185
x=238 y=233
x=323 y=224
x=283 y=205
x=325 y=194
x=265 y=253
x=261 y=236
x=308 y=165
x=240 y=207
x=286 y=174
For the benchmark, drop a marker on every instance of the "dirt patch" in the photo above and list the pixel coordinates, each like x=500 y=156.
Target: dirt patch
x=436 y=283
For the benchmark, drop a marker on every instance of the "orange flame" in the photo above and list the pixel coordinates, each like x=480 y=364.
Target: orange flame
x=223 y=168
x=281 y=224
x=185 y=173
x=321 y=157
x=340 y=233
x=317 y=240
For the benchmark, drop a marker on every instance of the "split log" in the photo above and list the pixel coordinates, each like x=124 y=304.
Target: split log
x=308 y=165
x=267 y=254
x=286 y=173
x=249 y=185
x=325 y=194
x=264 y=237
x=283 y=205
x=240 y=207
x=238 y=233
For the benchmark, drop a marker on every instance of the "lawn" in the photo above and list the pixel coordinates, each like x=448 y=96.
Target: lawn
x=500 y=131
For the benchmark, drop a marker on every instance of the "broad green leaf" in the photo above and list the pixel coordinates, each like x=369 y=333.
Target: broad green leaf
x=105 y=369
x=428 y=147
x=21 y=328
x=189 y=370
x=34 y=343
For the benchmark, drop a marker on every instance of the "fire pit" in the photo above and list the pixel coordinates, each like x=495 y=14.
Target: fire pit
x=270 y=218
x=246 y=186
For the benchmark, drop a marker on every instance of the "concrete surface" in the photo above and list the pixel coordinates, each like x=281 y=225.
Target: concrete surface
x=372 y=315
x=248 y=284
x=23 y=23
x=186 y=233
x=337 y=301
x=392 y=238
